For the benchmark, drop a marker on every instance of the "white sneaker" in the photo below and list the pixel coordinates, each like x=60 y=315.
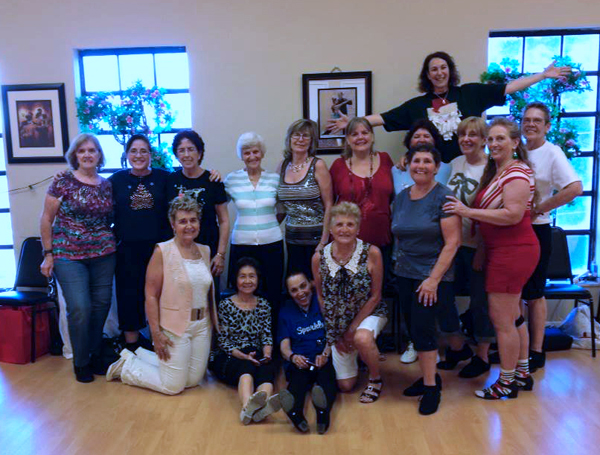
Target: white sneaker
x=410 y=355
x=114 y=371
x=257 y=401
x=273 y=405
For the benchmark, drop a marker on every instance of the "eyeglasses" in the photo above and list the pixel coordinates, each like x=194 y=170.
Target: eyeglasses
x=301 y=136
x=535 y=121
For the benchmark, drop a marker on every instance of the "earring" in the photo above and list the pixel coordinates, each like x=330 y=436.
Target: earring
x=515 y=155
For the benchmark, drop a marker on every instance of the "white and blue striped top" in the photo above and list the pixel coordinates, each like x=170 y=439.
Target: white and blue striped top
x=256 y=223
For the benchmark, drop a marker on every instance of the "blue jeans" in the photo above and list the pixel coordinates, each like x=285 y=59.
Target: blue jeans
x=87 y=288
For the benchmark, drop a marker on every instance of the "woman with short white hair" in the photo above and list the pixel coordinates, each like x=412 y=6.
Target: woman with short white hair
x=256 y=231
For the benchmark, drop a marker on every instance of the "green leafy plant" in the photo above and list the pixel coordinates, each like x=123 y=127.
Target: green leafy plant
x=562 y=132
x=128 y=114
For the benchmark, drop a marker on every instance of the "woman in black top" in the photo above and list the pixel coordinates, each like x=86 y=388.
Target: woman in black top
x=140 y=221
x=446 y=103
x=193 y=180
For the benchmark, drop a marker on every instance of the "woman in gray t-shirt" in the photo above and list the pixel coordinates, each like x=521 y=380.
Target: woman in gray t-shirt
x=425 y=242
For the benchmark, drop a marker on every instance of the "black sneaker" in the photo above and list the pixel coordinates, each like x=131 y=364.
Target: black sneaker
x=453 y=357
x=476 y=367
x=84 y=374
x=430 y=401
x=417 y=388
x=322 y=421
x=537 y=360
x=299 y=421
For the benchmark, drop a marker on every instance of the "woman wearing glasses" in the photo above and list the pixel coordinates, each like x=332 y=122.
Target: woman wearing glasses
x=140 y=222
x=305 y=192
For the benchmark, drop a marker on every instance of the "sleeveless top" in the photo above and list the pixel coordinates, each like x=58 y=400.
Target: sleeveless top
x=177 y=295
x=303 y=207
x=345 y=290
x=200 y=279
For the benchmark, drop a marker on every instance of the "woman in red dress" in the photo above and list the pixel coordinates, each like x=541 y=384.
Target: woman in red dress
x=364 y=176
x=502 y=212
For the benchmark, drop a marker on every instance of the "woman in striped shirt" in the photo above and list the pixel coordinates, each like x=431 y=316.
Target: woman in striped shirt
x=502 y=212
x=256 y=232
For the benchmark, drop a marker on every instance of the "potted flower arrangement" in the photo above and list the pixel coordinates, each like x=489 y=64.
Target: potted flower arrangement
x=128 y=114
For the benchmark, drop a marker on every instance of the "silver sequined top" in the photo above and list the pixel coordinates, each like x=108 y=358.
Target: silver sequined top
x=303 y=207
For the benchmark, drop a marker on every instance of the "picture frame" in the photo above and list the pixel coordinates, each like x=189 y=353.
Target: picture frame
x=327 y=95
x=35 y=123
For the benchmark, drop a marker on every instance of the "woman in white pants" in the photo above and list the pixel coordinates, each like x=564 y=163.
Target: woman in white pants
x=179 y=307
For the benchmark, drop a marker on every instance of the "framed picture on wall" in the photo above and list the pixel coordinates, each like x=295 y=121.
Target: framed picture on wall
x=35 y=123
x=328 y=96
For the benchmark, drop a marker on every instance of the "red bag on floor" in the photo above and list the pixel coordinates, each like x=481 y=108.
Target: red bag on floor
x=15 y=334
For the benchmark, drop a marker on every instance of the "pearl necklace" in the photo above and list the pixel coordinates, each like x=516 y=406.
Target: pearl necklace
x=298 y=167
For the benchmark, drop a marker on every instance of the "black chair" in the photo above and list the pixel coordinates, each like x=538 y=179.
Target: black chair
x=42 y=298
x=559 y=269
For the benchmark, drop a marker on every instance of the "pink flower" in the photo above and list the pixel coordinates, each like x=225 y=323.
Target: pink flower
x=526 y=96
x=89 y=102
x=508 y=69
x=129 y=119
x=155 y=93
x=570 y=143
x=86 y=111
x=563 y=131
x=512 y=102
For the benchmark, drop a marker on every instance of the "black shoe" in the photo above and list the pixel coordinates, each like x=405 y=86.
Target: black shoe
x=494 y=358
x=99 y=366
x=430 y=401
x=322 y=421
x=476 y=367
x=145 y=343
x=537 y=360
x=453 y=357
x=84 y=374
x=299 y=421
x=524 y=383
x=417 y=388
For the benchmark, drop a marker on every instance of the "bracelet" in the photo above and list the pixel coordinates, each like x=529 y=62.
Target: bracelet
x=221 y=255
x=48 y=252
x=292 y=357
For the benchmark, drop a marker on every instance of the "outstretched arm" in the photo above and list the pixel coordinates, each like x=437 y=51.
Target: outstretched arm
x=551 y=72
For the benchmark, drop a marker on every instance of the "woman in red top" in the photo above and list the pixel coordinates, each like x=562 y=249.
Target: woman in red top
x=502 y=211
x=364 y=176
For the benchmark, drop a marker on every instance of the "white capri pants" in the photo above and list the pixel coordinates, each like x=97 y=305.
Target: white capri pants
x=186 y=365
x=346 y=363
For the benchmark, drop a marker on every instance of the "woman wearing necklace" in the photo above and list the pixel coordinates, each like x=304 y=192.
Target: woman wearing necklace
x=245 y=345
x=195 y=181
x=348 y=278
x=445 y=102
x=364 y=176
x=306 y=195
x=179 y=305
x=256 y=232
x=426 y=240
x=140 y=222
x=502 y=211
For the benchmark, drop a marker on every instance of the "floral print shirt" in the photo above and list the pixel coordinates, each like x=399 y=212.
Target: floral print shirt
x=244 y=328
x=81 y=229
x=345 y=290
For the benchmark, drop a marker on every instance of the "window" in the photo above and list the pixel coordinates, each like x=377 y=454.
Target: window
x=7 y=254
x=533 y=50
x=114 y=70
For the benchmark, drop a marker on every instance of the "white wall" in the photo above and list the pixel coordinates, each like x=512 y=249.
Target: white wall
x=247 y=57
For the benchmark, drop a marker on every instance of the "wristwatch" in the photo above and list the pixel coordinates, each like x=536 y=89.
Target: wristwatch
x=47 y=252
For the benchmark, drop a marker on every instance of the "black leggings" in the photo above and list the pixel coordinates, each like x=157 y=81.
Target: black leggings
x=302 y=380
x=230 y=369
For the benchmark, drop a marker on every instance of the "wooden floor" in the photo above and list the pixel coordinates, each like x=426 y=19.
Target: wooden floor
x=43 y=410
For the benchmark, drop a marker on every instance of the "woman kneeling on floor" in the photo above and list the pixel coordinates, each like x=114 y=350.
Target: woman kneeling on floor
x=244 y=356
x=179 y=298
x=348 y=275
x=301 y=334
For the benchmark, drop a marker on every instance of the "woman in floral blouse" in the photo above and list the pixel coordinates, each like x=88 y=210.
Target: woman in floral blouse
x=79 y=249
x=348 y=276
x=244 y=356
